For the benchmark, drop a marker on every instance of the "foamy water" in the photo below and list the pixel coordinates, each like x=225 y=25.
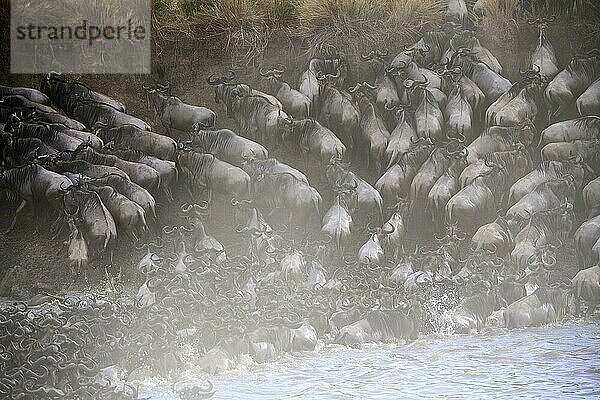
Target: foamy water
x=552 y=362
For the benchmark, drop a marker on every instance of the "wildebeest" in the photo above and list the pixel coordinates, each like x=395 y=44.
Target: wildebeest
x=127 y=188
x=226 y=145
x=90 y=113
x=369 y=199
x=66 y=94
x=429 y=118
x=35 y=185
x=129 y=216
x=457 y=11
x=257 y=117
x=402 y=136
x=546 y=195
x=395 y=183
x=591 y=197
x=15 y=103
x=495 y=236
x=30 y=94
x=373 y=132
x=337 y=221
x=151 y=143
x=254 y=166
x=336 y=110
x=372 y=251
x=446 y=186
x=385 y=91
x=571 y=82
x=583 y=128
x=311 y=138
x=167 y=170
x=309 y=84
x=544 y=55
x=207 y=172
x=544 y=306
x=466 y=39
x=173 y=113
x=499 y=138
x=586 y=287
x=589 y=101
x=585 y=237
x=50 y=135
x=142 y=174
x=383 y=326
x=16 y=152
x=473 y=310
x=587 y=150
x=35 y=115
x=294 y=102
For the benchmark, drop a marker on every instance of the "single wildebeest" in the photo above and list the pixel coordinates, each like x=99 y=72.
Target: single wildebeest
x=175 y=114
x=34 y=115
x=30 y=94
x=544 y=306
x=16 y=152
x=473 y=310
x=544 y=54
x=589 y=101
x=207 y=172
x=35 y=185
x=148 y=142
x=91 y=113
x=294 y=103
x=586 y=285
x=226 y=145
x=65 y=94
x=591 y=198
x=55 y=138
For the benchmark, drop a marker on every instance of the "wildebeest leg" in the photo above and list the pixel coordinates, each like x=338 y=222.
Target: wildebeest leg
x=14 y=221
x=591 y=309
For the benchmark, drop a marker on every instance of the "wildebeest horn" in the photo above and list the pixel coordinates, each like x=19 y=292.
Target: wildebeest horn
x=366 y=57
x=147 y=86
x=269 y=72
x=381 y=53
x=392 y=107
x=408 y=83
x=367 y=84
x=425 y=81
x=211 y=80
x=389 y=231
x=355 y=88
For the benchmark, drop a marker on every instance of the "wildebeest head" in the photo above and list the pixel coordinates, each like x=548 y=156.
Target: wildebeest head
x=220 y=83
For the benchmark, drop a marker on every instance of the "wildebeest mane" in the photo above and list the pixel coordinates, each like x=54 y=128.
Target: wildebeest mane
x=586 y=68
x=589 y=122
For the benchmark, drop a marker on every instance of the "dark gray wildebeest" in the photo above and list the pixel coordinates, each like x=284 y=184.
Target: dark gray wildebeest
x=544 y=172
x=50 y=135
x=16 y=152
x=372 y=251
x=336 y=110
x=257 y=117
x=395 y=183
x=394 y=241
x=386 y=94
x=589 y=101
x=91 y=139
x=207 y=172
x=430 y=48
x=98 y=226
x=151 y=143
x=547 y=195
x=452 y=76
x=284 y=191
x=429 y=119
x=591 y=198
x=309 y=84
x=15 y=102
x=446 y=186
x=402 y=136
x=520 y=103
x=459 y=115
x=438 y=162
x=499 y=138
x=544 y=306
x=142 y=174
x=586 y=287
x=383 y=326
x=466 y=39
x=129 y=216
x=255 y=166
x=337 y=222
x=583 y=128
x=129 y=189
x=495 y=236
x=543 y=228
x=492 y=84
x=294 y=103
x=226 y=145
x=30 y=94
x=403 y=70
x=369 y=199
x=66 y=94
x=457 y=11
x=226 y=91
x=35 y=185
x=374 y=135
x=167 y=170
x=544 y=55
x=585 y=238
x=34 y=115
x=81 y=167
x=570 y=83
x=173 y=113
x=312 y=138
x=473 y=310
x=90 y=113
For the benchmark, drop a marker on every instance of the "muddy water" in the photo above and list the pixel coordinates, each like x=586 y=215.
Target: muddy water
x=553 y=362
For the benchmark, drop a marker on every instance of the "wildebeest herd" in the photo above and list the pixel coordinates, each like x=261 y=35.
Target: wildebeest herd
x=448 y=149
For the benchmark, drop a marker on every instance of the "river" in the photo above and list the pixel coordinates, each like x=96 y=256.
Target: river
x=551 y=362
